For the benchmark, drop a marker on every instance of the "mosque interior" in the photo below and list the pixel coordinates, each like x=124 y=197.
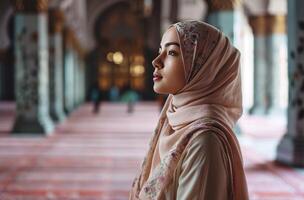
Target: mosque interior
x=55 y=55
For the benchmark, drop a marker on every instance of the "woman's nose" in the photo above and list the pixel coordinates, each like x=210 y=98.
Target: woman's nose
x=157 y=63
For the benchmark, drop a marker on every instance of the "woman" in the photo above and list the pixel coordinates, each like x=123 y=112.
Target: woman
x=194 y=153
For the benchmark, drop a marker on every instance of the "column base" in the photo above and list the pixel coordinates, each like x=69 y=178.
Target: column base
x=257 y=110
x=57 y=116
x=275 y=111
x=290 y=151
x=37 y=127
x=67 y=111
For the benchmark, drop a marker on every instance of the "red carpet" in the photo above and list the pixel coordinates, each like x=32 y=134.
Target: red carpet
x=92 y=157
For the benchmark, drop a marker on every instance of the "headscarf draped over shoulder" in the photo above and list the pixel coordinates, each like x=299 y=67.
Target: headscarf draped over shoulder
x=210 y=101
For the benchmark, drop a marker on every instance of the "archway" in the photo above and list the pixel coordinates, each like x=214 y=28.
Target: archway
x=118 y=59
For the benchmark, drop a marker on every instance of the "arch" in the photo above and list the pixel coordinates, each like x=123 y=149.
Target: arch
x=117 y=29
x=96 y=8
x=6 y=50
x=5 y=18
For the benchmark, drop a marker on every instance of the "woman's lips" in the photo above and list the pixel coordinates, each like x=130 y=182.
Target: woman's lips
x=157 y=77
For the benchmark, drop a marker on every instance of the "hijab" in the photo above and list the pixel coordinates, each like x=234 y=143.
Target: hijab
x=211 y=100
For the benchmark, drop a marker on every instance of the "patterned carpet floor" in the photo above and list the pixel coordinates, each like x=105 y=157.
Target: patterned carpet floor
x=96 y=156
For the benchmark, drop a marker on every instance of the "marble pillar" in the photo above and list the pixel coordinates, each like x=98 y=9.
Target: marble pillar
x=222 y=14
x=83 y=80
x=290 y=150
x=68 y=80
x=257 y=24
x=73 y=50
x=269 y=45
x=31 y=63
x=81 y=87
x=76 y=79
x=276 y=44
x=223 y=20
x=56 y=65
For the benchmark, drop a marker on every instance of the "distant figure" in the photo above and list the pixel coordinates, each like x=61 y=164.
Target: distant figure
x=114 y=94
x=95 y=98
x=131 y=97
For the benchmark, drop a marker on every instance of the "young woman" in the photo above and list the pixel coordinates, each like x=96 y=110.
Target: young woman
x=194 y=154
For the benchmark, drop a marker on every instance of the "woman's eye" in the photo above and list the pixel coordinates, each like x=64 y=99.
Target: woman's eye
x=172 y=53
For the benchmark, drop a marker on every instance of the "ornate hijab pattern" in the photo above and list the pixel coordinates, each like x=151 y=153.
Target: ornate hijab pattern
x=210 y=101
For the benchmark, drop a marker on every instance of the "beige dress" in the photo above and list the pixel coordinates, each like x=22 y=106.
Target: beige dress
x=202 y=172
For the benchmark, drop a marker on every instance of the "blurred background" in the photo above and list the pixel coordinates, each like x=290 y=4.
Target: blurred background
x=77 y=106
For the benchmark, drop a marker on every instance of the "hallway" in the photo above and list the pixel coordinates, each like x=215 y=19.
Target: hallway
x=92 y=157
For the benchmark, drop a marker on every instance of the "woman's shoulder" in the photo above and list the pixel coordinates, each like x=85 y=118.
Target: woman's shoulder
x=204 y=149
x=204 y=153
x=205 y=142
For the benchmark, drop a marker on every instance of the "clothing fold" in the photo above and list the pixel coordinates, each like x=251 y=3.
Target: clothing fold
x=211 y=101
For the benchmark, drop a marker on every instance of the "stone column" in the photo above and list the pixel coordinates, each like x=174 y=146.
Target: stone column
x=276 y=43
x=291 y=147
x=81 y=88
x=68 y=80
x=82 y=77
x=269 y=44
x=55 y=65
x=222 y=15
x=76 y=79
x=69 y=68
x=257 y=24
x=73 y=50
x=79 y=55
x=31 y=63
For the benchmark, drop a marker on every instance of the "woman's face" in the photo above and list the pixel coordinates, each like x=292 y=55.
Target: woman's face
x=169 y=75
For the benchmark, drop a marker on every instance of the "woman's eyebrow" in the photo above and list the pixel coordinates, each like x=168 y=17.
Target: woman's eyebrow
x=170 y=43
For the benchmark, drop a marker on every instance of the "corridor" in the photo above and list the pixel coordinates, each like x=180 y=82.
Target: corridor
x=92 y=157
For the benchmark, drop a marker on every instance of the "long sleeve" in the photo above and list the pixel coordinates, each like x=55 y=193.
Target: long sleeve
x=203 y=173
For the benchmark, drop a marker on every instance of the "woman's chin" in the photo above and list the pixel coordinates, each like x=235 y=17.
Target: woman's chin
x=158 y=90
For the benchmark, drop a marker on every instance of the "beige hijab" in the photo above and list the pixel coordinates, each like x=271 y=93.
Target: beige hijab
x=210 y=101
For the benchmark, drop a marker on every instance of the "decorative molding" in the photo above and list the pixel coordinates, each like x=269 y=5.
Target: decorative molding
x=96 y=8
x=268 y=24
x=222 y=5
x=31 y=6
